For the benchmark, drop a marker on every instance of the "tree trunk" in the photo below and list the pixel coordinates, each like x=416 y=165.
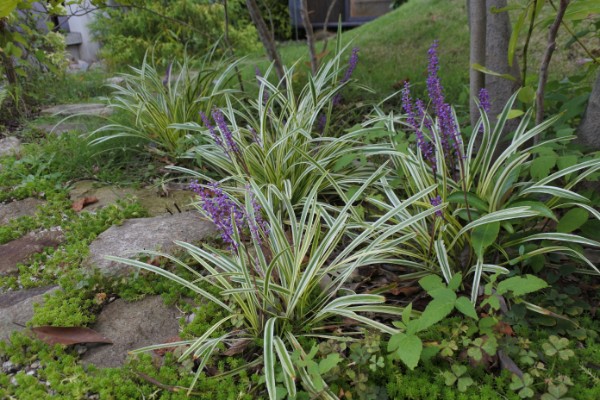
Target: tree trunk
x=265 y=37
x=588 y=133
x=499 y=89
x=477 y=22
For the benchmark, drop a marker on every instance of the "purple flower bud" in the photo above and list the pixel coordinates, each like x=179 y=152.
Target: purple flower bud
x=436 y=201
x=484 y=100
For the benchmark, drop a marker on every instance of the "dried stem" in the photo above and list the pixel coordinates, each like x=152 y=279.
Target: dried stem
x=539 y=113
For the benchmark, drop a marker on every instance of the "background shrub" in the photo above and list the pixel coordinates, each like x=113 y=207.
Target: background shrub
x=171 y=27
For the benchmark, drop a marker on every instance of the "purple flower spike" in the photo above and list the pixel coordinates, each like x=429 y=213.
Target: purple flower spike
x=352 y=63
x=232 y=148
x=426 y=148
x=255 y=137
x=436 y=201
x=484 y=100
x=211 y=129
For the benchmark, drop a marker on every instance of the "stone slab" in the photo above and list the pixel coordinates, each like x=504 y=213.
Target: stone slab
x=20 y=208
x=154 y=202
x=138 y=235
x=131 y=326
x=16 y=308
x=96 y=109
x=20 y=250
x=10 y=146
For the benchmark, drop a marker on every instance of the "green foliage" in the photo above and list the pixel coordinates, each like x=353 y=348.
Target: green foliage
x=280 y=141
x=276 y=296
x=406 y=345
x=154 y=104
x=494 y=218
x=171 y=28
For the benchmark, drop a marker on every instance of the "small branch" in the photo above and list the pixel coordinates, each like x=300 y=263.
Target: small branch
x=528 y=39
x=574 y=36
x=539 y=101
x=310 y=37
x=325 y=24
x=266 y=38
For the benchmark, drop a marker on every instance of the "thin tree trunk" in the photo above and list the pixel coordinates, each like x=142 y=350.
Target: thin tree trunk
x=265 y=37
x=496 y=59
x=539 y=96
x=310 y=37
x=588 y=133
x=477 y=19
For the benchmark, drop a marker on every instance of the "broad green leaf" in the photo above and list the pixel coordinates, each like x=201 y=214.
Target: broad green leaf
x=514 y=113
x=455 y=282
x=328 y=363
x=409 y=350
x=344 y=161
x=526 y=94
x=437 y=309
x=483 y=236
x=520 y=285
x=7 y=6
x=431 y=282
x=406 y=314
x=541 y=166
x=566 y=161
x=471 y=198
x=465 y=306
x=572 y=220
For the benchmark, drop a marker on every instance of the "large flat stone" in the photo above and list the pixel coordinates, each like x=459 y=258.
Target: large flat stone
x=142 y=234
x=16 y=209
x=10 y=146
x=76 y=109
x=131 y=326
x=20 y=250
x=154 y=202
x=16 y=308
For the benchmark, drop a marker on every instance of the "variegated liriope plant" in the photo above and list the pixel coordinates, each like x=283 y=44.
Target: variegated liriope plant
x=282 y=137
x=153 y=102
x=283 y=280
x=495 y=218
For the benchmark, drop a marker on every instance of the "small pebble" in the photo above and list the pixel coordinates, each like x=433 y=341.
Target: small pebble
x=31 y=373
x=80 y=349
x=190 y=318
x=35 y=365
x=9 y=367
x=13 y=381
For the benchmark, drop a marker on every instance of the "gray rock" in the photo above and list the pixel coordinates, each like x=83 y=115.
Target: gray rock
x=16 y=308
x=155 y=202
x=115 y=80
x=76 y=109
x=20 y=250
x=10 y=146
x=131 y=326
x=142 y=234
x=16 y=209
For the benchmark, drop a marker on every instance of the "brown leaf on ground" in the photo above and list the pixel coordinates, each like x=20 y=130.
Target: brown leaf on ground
x=405 y=290
x=79 y=204
x=238 y=347
x=68 y=335
x=164 y=350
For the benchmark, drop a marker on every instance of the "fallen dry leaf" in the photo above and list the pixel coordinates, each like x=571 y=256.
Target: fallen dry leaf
x=68 y=335
x=80 y=203
x=165 y=350
x=237 y=348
